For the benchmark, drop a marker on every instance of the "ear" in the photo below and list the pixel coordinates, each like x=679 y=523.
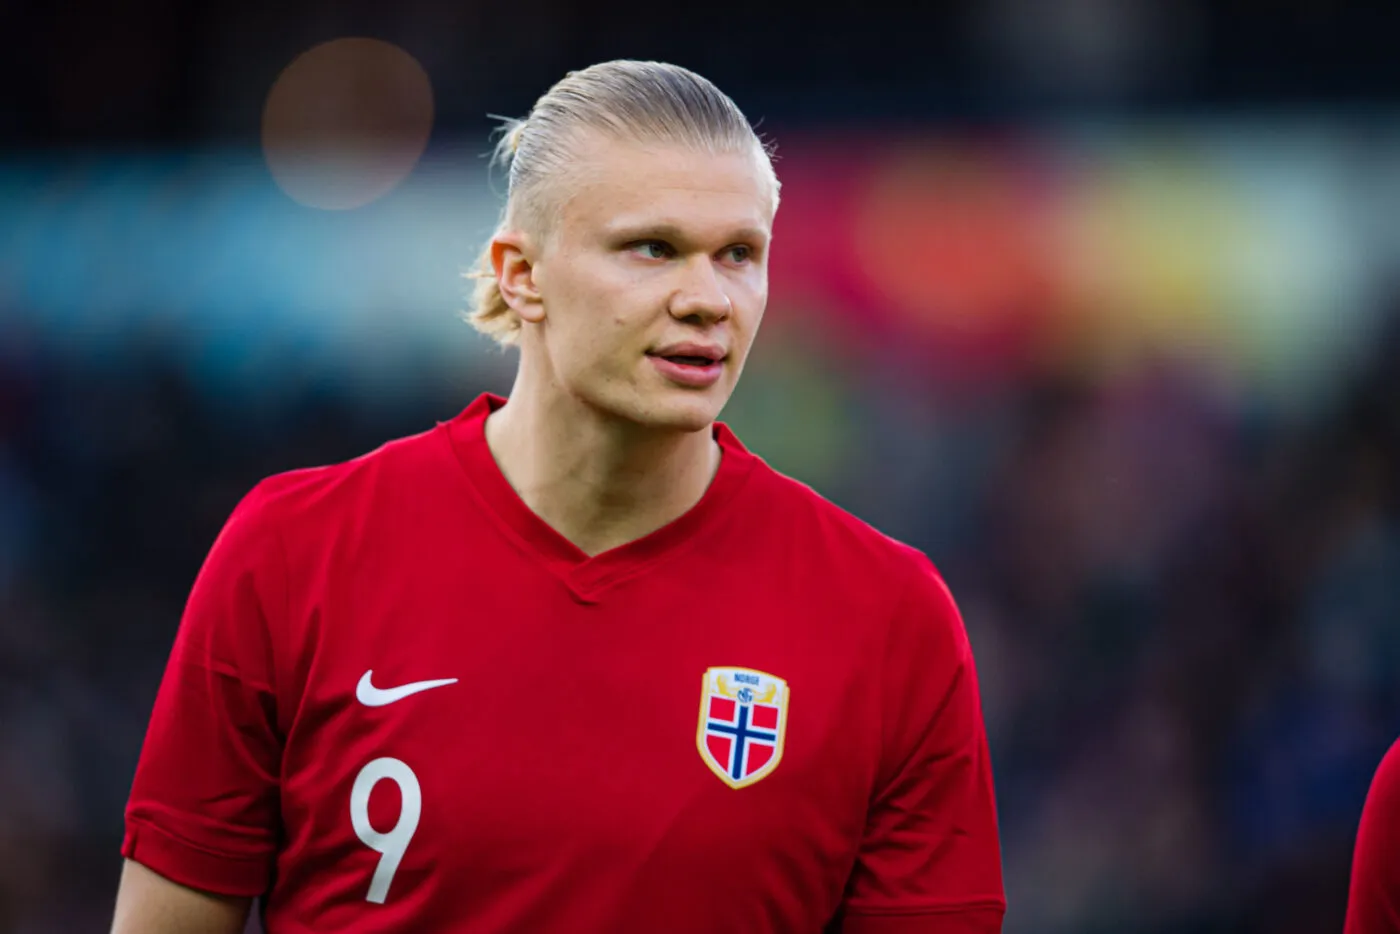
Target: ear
x=512 y=255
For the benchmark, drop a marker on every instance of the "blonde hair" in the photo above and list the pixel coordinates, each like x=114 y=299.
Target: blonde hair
x=647 y=102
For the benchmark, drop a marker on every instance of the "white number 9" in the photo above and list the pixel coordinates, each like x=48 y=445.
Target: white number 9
x=390 y=846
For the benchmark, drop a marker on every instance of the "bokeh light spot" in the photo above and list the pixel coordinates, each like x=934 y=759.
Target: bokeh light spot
x=346 y=122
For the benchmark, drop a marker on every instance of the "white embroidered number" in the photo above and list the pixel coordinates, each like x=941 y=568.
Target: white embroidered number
x=390 y=846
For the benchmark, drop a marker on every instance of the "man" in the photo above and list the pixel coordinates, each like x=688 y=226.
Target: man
x=576 y=661
x=1374 y=904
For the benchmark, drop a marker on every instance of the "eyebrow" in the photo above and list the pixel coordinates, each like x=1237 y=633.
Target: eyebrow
x=673 y=233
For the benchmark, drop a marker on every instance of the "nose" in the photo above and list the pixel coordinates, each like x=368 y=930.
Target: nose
x=701 y=294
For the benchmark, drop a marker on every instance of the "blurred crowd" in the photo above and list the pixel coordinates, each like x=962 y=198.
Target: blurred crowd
x=1183 y=606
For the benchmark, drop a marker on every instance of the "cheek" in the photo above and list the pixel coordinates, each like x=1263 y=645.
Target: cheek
x=609 y=304
x=749 y=304
x=583 y=317
x=598 y=346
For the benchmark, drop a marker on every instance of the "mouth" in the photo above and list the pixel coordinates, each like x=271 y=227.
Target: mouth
x=695 y=368
x=689 y=359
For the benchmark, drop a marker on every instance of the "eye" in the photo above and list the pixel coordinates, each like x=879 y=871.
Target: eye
x=653 y=249
x=739 y=253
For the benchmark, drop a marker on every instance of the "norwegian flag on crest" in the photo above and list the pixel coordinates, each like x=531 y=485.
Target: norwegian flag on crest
x=743 y=715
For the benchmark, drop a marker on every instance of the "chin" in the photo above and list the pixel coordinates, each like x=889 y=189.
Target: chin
x=681 y=412
x=672 y=410
x=697 y=417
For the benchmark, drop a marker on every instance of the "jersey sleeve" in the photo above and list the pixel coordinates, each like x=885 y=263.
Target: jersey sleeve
x=1374 y=902
x=930 y=860
x=204 y=806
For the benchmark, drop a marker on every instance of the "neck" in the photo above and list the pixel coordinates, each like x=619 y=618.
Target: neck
x=596 y=480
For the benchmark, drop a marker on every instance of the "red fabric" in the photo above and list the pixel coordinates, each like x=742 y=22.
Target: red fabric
x=561 y=783
x=1374 y=904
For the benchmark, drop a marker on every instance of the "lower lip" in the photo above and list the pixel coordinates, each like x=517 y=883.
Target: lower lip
x=700 y=377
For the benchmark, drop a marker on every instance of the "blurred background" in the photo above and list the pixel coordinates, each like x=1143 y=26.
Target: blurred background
x=1097 y=301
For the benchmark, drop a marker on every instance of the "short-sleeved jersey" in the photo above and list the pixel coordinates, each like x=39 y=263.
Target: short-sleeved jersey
x=1374 y=903
x=399 y=701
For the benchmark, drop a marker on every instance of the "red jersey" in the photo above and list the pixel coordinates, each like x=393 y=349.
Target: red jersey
x=400 y=701
x=1374 y=906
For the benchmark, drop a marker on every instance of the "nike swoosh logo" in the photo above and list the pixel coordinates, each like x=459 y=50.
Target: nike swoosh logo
x=371 y=696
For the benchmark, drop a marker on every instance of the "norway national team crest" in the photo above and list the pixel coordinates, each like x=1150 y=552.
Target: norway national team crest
x=743 y=714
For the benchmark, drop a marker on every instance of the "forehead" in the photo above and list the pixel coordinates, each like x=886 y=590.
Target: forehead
x=622 y=184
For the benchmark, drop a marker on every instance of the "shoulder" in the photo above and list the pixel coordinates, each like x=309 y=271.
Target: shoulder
x=403 y=468
x=1374 y=900
x=820 y=529
x=838 y=545
x=290 y=534
x=1383 y=801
